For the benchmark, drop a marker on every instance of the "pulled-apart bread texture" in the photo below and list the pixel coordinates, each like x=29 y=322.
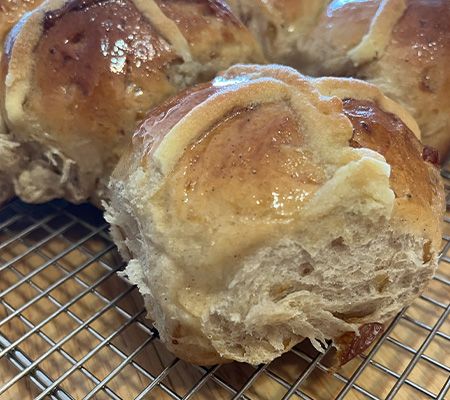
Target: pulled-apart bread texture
x=266 y=207
x=402 y=46
x=78 y=75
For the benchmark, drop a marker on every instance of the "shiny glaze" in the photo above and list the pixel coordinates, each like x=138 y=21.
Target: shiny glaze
x=161 y=119
x=242 y=182
x=417 y=60
x=260 y=148
x=412 y=68
x=413 y=181
x=424 y=32
x=51 y=17
x=101 y=66
x=386 y=134
x=11 y=11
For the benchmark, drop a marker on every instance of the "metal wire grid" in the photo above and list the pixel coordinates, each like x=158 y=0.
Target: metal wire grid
x=71 y=328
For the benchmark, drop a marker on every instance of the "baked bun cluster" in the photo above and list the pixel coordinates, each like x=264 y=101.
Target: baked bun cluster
x=262 y=207
x=266 y=207
x=78 y=76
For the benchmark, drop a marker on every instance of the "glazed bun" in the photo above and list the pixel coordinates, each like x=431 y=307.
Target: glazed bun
x=266 y=207
x=402 y=46
x=78 y=75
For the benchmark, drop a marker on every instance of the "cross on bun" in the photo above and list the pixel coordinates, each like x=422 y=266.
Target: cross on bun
x=402 y=46
x=266 y=207
x=11 y=11
x=78 y=76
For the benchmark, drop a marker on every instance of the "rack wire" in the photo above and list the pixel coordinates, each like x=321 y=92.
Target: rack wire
x=71 y=328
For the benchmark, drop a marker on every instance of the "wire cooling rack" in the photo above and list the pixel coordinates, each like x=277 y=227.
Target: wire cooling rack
x=70 y=328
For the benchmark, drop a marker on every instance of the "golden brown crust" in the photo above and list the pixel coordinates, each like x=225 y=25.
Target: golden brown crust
x=359 y=90
x=83 y=73
x=167 y=114
x=96 y=80
x=206 y=183
x=104 y=76
x=415 y=68
x=230 y=153
x=413 y=181
x=402 y=46
x=376 y=125
x=194 y=18
x=212 y=167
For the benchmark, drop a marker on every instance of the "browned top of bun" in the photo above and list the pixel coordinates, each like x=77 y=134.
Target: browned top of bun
x=98 y=78
x=267 y=146
x=277 y=176
x=413 y=184
x=424 y=32
x=84 y=73
x=119 y=66
x=419 y=58
x=402 y=46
